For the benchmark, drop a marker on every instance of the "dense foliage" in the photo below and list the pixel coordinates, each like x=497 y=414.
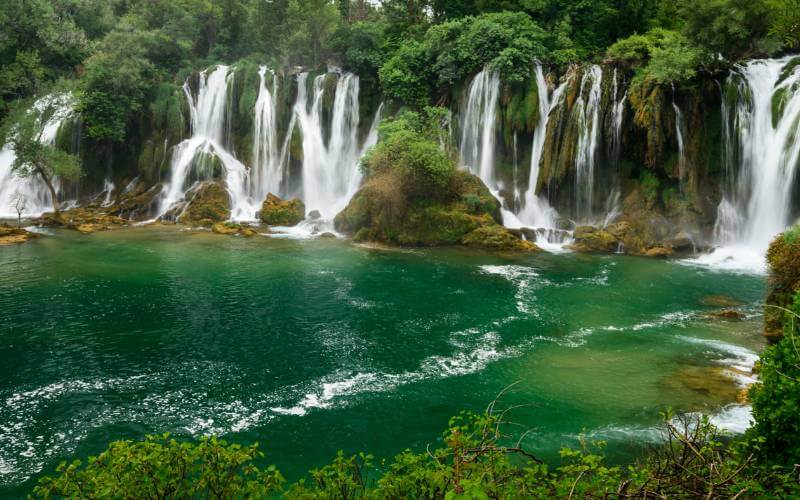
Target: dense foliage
x=416 y=50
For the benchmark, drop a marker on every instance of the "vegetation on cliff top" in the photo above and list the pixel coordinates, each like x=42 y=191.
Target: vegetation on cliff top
x=119 y=52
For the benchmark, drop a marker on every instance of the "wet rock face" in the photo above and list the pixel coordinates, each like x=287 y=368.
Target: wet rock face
x=278 y=212
x=208 y=203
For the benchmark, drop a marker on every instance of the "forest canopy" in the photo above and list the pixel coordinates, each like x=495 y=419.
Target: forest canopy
x=114 y=54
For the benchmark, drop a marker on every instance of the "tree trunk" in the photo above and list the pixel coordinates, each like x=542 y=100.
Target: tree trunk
x=50 y=187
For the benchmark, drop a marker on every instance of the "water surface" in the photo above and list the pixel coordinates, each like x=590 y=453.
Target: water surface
x=309 y=347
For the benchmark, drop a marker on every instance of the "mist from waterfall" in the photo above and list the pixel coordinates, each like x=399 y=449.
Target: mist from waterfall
x=34 y=190
x=587 y=108
x=761 y=155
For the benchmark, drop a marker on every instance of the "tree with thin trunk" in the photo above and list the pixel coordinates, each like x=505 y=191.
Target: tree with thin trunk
x=19 y=201
x=35 y=158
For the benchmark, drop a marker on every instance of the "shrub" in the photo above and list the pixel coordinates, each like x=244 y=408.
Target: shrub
x=160 y=467
x=776 y=399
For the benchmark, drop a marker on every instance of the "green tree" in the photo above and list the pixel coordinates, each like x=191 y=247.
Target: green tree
x=33 y=157
x=160 y=467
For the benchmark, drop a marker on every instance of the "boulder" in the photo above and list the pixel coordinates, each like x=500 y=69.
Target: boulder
x=314 y=215
x=233 y=228
x=208 y=203
x=496 y=237
x=278 y=212
x=591 y=239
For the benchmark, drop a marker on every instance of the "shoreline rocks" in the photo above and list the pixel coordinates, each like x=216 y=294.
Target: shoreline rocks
x=10 y=235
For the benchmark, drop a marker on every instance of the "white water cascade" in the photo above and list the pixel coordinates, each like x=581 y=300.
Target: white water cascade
x=478 y=124
x=266 y=174
x=331 y=173
x=767 y=148
x=587 y=107
x=192 y=158
x=537 y=211
x=33 y=189
x=679 y=133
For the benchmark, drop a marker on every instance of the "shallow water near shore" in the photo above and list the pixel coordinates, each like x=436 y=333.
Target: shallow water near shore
x=311 y=346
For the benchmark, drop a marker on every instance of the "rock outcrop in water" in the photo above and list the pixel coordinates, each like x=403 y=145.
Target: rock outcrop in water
x=466 y=214
x=277 y=212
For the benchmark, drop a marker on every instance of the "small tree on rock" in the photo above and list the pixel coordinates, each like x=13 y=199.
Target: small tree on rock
x=19 y=201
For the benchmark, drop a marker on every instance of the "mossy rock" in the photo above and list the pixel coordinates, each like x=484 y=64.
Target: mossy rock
x=496 y=237
x=594 y=240
x=233 y=228
x=383 y=212
x=208 y=202
x=13 y=235
x=278 y=212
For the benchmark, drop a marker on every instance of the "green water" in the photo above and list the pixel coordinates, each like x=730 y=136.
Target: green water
x=309 y=347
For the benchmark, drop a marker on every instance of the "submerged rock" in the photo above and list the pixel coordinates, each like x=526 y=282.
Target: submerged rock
x=720 y=301
x=278 y=212
x=731 y=314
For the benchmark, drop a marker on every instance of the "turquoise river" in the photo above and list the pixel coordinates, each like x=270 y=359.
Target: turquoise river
x=312 y=346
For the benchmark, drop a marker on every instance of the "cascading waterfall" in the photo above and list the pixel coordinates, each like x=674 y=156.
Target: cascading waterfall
x=266 y=175
x=477 y=146
x=679 y=133
x=33 y=189
x=192 y=159
x=767 y=149
x=587 y=107
x=537 y=212
x=331 y=173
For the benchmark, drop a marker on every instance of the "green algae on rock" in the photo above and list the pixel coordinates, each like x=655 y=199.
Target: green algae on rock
x=278 y=212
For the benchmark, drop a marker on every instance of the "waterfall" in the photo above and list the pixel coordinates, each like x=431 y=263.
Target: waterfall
x=331 y=173
x=478 y=127
x=587 y=107
x=618 y=116
x=537 y=212
x=679 y=131
x=757 y=205
x=193 y=159
x=33 y=189
x=266 y=172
